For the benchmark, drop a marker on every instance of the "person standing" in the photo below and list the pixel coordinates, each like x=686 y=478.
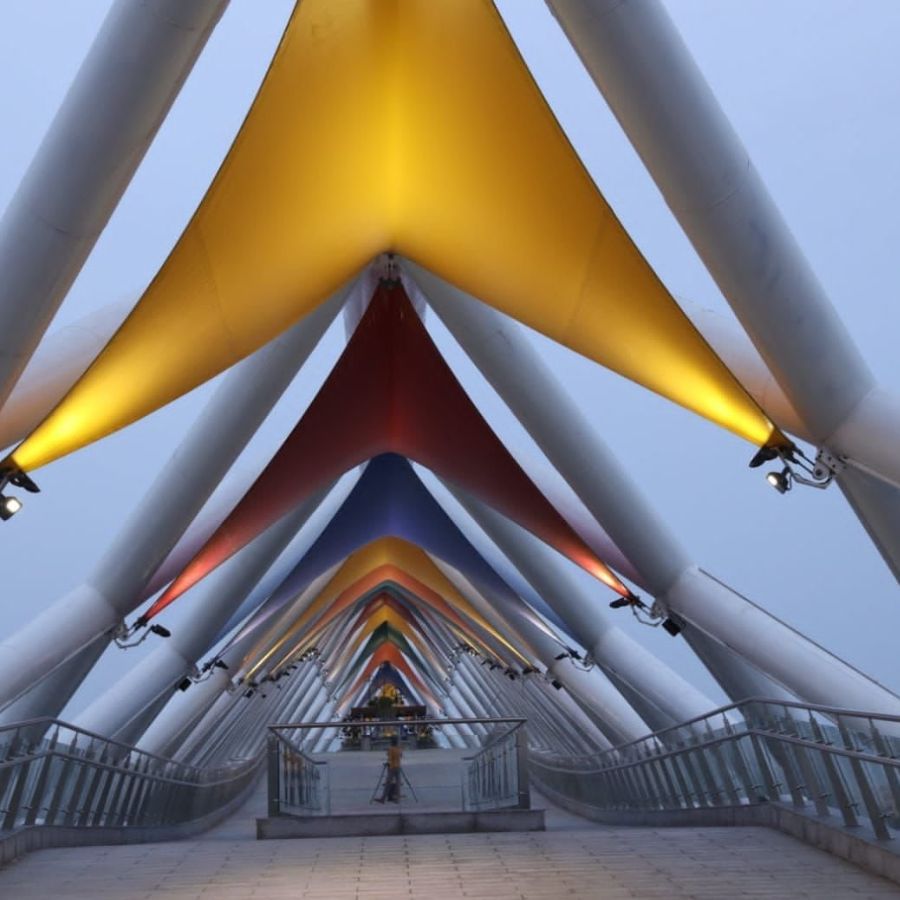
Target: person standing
x=391 y=791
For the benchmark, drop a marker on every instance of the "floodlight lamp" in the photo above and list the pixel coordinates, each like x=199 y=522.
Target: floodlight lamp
x=672 y=627
x=560 y=656
x=160 y=631
x=629 y=599
x=184 y=684
x=557 y=685
x=781 y=481
x=9 y=506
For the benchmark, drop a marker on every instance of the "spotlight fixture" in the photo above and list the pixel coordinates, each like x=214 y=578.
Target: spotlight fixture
x=123 y=635
x=673 y=626
x=630 y=600
x=557 y=684
x=800 y=469
x=184 y=684
x=9 y=506
x=560 y=656
x=781 y=481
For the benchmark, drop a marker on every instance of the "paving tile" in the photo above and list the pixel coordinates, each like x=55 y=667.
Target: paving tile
x=582 y=862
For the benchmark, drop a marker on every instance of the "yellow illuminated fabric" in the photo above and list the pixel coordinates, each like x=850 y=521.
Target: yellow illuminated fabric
x=395 y=125
x=365 y=569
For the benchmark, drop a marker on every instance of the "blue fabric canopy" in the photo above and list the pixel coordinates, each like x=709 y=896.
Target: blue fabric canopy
x=390 y=499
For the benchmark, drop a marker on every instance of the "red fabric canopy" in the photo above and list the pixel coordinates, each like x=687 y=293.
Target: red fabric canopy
x=390 y=391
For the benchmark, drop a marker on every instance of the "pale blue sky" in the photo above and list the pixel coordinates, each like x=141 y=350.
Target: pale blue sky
x=811 y=86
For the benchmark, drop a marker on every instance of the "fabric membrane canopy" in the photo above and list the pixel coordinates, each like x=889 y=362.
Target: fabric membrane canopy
x=387 y=560
x=391 y=390
x=389 y=500
x=409 y=126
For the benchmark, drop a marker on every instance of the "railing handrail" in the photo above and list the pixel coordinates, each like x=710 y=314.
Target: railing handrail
x=548 y=760
x=474 y=720
x=223 y=774
x=49 y=722
x=739 y=707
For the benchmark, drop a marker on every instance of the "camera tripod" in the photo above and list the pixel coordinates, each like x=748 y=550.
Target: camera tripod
x=402 y=779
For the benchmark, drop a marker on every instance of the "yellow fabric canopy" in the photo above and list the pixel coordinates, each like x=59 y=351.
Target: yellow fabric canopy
x=410 y=126
x=362 y=571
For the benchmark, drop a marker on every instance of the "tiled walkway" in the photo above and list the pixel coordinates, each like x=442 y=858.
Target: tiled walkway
x=573 y=859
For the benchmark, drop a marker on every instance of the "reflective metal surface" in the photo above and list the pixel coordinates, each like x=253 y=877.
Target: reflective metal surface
x=52 y=773
x=823 y=761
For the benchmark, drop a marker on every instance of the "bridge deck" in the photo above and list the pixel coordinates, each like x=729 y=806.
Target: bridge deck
x=573 y=859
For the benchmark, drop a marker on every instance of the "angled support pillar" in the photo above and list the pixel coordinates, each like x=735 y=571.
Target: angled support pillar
x=107 y=120
x=186 y=709
x=114 y=713
x=591 y=690
x=466 y=737
x=500 y=350
x=210 y=728
x=542 y=693
x=738 y=678
x=325 y=735
x=613 y=650
x=111 y=591
x=875 y=502
x=641 y=65
x=561 y=734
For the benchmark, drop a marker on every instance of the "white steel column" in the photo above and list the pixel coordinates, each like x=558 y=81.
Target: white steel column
x=112 y=111
x=665 y=106
x=609 y=646
x=212 y=605
x=875 y=502
x=197 y=466
x=56 y=365
x=519 y=375
x=616 y=717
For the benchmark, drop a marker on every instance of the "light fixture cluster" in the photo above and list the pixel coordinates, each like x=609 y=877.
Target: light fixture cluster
x=654 y=616
x=10 y=505
x=797 y=468
x=204 y=673
x=123 y=637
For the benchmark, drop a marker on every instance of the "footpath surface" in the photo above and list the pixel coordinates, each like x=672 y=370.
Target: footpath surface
x=572 y=859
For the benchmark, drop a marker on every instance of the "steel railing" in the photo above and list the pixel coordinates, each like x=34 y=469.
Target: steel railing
x=497 y=776
x=494 y=778
x=53 y=773
x=819 y=759
x=297 y=784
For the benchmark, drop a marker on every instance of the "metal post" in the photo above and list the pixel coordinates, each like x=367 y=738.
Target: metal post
x=214 y=441
x=609 y=646
x=115 y=711
x=617 y=719
x=641 y=65
x=120 y=96
x=524 y=381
